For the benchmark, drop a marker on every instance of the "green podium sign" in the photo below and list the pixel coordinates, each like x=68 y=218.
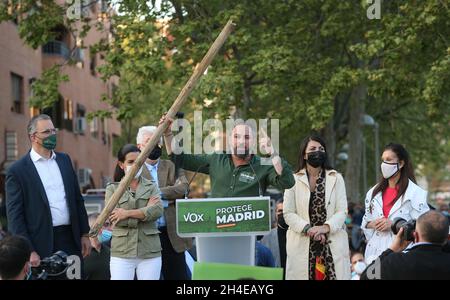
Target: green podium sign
x=223 y=216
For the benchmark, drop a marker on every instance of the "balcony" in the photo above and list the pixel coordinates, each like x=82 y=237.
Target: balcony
x=56 y=48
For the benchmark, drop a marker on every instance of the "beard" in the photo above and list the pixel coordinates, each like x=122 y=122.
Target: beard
x=242 y=153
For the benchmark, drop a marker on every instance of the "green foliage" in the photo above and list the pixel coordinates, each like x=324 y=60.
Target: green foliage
x=45 y=89
x=297 y=61
x=36 y=19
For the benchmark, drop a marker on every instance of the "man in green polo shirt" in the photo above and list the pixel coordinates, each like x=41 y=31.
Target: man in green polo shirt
x=239 y=174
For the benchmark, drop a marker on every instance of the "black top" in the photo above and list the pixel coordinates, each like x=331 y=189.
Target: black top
x=422 y=262
x=96 y=265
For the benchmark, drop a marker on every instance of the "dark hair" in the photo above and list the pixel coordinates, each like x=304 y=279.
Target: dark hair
x=434 y=227
x=355 y=253
x=304 y=145
x=406 y=172
x=15 y=251
x=128 y=148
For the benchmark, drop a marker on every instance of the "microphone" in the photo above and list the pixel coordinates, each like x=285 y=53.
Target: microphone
x=259 y=182
x=192 y=179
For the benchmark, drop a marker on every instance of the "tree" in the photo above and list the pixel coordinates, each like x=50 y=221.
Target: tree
x=315 y=65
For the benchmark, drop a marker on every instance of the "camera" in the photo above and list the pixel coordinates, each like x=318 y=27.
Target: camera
x=408 y=228
x=52 y=267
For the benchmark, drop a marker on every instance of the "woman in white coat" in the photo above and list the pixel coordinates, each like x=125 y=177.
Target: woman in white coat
x=315 y=209
x=396 y=196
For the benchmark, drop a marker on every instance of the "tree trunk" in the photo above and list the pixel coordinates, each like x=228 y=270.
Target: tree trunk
x=246 y=87
x=129 y=126
x=355 y=136
x=329 y=134
x=243 y=111
x=247 y=98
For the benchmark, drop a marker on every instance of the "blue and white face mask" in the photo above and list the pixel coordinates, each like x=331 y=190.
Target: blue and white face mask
x=105 y=236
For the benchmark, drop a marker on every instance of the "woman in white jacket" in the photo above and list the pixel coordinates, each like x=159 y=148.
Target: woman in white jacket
x=396 y=196
x=315 y=209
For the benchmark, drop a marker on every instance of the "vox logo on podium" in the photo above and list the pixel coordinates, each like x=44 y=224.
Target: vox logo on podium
x=193 y=217
x=222 y=216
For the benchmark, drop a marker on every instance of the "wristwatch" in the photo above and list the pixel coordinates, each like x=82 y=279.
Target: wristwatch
x=306 y=228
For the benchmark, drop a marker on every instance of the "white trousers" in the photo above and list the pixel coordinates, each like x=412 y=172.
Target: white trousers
x=145 y=269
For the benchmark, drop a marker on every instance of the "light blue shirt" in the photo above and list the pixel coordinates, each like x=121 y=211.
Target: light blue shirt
x=153 y=169
x=412 y=245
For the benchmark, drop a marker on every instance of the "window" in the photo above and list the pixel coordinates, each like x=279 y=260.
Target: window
x=12 y=152
x=62 y=34
x=68 y=115
x=93 y=7
x=12 y=10
x=17 y=93
x=94 y=127
x=84 y=8
x=56 y=112
x=80 y=121
x=104 y=132
x=93 y=64
x=61 y=113
x=34 y=111
x=104 y=6
x=30 y=84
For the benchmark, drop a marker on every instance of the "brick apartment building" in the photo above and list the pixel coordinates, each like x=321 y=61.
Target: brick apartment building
x=89 y=144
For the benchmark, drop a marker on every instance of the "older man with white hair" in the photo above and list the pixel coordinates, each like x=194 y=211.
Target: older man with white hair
x=172 y=187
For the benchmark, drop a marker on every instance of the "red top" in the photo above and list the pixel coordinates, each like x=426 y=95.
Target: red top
x=388 y=200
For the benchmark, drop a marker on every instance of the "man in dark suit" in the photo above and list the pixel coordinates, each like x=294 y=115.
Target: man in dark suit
x=172 y=187
x=425 y=259
x=43 y=198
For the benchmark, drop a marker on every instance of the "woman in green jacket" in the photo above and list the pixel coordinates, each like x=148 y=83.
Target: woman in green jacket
x=135 y=245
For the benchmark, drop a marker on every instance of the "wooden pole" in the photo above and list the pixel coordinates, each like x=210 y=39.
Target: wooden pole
x=181 y=99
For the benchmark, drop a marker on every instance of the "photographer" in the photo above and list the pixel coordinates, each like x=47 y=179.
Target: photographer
x=425 y=259
x=14 y=258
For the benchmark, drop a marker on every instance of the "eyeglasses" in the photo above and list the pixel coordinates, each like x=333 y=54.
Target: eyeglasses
x=49 y=131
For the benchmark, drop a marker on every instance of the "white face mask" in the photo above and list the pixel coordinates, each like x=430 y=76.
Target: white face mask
x=360 y=267
x=389 y=169
x=128 y=169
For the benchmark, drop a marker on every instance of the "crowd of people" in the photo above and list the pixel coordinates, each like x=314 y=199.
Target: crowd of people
x=317 y=234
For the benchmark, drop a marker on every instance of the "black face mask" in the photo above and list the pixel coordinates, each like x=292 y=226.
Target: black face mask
x=156 y=153
x=316 y=158
x=281 y=222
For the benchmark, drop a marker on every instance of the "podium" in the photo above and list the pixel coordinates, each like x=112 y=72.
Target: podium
x=225 y=229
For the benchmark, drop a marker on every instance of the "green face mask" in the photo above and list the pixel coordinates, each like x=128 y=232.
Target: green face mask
x=49 y=142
